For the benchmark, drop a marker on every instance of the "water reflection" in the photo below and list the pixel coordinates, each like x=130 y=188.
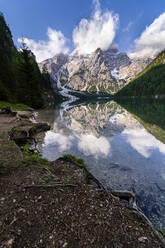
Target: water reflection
x=150 y=113
x=117 y=148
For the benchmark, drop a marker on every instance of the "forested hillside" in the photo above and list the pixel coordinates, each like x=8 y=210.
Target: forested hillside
x=150 y=82
x=20 y=77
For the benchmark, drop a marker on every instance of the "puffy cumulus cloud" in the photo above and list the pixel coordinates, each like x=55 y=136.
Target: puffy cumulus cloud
x=152 y=40
x=90 y=145
x=98 y=32
x=143 y=142
x=56 y=43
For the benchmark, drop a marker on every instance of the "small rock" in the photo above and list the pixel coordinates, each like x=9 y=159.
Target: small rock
x=40 y=197
x=14 y=200
x=142 y=239
x=22 y=210
x=10 y=242
x=65 y=244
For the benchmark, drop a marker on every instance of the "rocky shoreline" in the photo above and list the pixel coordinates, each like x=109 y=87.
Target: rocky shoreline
x=60 y=204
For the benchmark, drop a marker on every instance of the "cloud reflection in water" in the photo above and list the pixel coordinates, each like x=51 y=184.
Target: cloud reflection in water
x=142 y=141
x=63 y=142
x=91 y=145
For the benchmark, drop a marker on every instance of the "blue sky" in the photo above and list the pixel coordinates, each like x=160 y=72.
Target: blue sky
x=129 y=18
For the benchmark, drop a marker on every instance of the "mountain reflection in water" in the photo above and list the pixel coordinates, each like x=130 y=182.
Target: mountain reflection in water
x=118 y=149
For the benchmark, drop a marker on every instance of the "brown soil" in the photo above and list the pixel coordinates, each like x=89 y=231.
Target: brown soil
x=63 y=211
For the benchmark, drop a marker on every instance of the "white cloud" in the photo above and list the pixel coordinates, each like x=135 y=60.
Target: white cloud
x=90 y=145
x=152 y=40
x=57 y=43
x=98 y=32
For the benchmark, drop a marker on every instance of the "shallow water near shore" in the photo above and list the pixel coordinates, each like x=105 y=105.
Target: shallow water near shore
x=123 y=146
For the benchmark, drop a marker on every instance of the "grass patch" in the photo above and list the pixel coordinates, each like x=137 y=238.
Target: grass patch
x=33 y=128
x=15 y=129
x=34 y=159
x=26 y=148
x=17 y=106
x=49 y=167
x=74 y=158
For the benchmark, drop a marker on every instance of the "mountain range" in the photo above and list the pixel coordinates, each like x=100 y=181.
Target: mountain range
x=102 y=71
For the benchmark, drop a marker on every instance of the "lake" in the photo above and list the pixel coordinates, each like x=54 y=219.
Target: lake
x=122 y=144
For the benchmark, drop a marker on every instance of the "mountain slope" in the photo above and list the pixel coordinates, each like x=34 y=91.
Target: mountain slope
x=150 y=82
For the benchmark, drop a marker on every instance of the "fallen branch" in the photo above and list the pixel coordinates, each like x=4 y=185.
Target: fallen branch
x=48 y=185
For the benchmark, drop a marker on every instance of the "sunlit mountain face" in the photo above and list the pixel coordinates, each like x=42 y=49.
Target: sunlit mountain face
x=118 y=149
x=100 y=71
